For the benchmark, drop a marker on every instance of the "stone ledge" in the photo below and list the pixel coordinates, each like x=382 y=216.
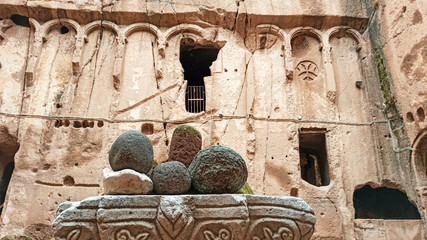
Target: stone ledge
x=226 y=216
x=227 y=14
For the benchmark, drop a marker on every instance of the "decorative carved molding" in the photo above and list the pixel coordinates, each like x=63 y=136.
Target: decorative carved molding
x=282 y=234
x=174 y=218
x=195 y=32
x=186 y=217
x=4 y=24
x=223 y=234
x=73 y=235
x=125 y=234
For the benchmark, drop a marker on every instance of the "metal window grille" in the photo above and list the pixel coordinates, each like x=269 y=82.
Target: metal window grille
x=195 y=96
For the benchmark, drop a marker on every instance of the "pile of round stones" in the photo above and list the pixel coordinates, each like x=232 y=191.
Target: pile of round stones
x=215 y=169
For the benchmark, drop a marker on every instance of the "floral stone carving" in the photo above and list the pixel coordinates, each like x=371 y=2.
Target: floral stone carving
x=198 y=217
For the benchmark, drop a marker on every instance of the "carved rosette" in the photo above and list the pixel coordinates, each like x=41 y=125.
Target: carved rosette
x=183 y=217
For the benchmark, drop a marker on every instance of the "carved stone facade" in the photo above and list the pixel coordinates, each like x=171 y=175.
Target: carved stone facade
x=320 y=98
x=208 y=217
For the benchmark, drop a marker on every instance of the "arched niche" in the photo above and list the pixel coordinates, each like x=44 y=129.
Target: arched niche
x=54 y=66
x=13 y=60
x=139 y=82
x=309 y=77
x=419 y=156
x=345 y=55
x=193 y=59
x=196 y=60
x=383 y=203
x=94 y=83
x=266 y=71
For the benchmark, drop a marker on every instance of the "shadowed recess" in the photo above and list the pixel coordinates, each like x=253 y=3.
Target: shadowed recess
x=196 y=60
x=383 y=203
x=20 y=20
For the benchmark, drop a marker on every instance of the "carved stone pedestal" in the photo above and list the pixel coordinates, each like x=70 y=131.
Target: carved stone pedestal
x=184 y=217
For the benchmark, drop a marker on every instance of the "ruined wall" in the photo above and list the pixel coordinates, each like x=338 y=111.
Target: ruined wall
x=80 y=73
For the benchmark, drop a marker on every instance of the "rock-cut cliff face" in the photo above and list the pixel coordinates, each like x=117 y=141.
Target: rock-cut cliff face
x=322 y=99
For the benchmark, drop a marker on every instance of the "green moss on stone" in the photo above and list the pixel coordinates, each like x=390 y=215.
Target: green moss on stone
x=384 y=79
x=155 y=164
x=186 y=130
x=246 y=189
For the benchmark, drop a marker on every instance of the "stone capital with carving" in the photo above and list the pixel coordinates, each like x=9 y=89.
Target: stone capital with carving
x=183 y=217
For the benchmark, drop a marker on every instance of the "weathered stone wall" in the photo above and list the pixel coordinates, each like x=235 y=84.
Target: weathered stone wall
x=66 y=94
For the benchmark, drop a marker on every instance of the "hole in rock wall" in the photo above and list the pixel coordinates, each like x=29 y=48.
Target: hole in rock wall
x=8 y=147
x=58 y=123
x=294 y=192
x=20 y=20
x=85 y=124
x=383 y=203
x=77 y=124
x=313 y=156
x=64 y=30
x=196 y=60
x=68 y=181
x=147 y=128
x=410 y=117
x=420 y=114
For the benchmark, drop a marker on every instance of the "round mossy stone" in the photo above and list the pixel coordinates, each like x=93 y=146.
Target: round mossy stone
x=218 y=169
x=132 y=150
x=171 y=178
x=185 y=144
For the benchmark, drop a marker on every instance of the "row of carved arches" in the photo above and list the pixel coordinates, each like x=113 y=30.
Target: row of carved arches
x=307 y=52
x=190 y=31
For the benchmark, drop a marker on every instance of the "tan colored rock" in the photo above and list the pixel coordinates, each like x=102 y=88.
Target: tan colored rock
x=126 y=181
x=86 y=71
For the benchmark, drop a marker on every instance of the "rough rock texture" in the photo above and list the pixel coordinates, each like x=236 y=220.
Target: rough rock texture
x=14 y=237
x=132 y=150
x=218 y=169
x=79 y=73
x=186 y=217
x=185 y=144
x=171 y=178
x=126 y=181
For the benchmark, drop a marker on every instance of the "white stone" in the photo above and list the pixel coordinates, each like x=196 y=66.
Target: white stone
x=126 y=181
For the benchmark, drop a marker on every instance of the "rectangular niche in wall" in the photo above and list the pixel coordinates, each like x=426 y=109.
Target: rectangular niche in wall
x=313 y=157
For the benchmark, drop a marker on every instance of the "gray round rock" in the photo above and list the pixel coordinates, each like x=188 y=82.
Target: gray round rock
x=218 y=169
x=171 y=178
x=132 y=150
